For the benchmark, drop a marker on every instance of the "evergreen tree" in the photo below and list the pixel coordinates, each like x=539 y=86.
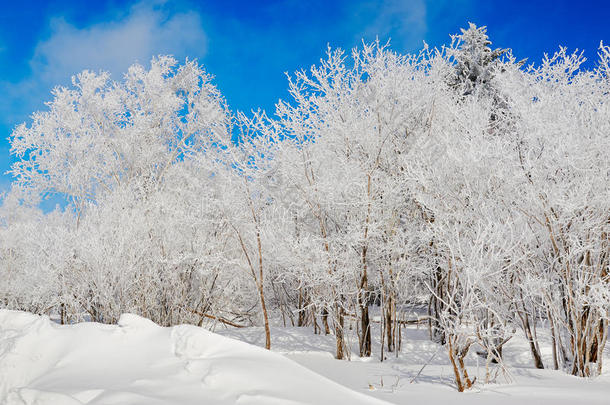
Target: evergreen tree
x=475 y=60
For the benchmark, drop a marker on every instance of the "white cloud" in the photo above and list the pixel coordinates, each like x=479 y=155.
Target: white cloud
x=135 y=35
x=404 y=21
x=114 y=45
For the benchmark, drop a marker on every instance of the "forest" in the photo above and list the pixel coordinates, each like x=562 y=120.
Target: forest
x=455 y=183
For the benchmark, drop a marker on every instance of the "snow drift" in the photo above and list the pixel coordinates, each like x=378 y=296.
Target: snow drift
x=139 y=362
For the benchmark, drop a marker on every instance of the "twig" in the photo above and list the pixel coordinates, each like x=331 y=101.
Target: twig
x=217 y=318
x=425 y=364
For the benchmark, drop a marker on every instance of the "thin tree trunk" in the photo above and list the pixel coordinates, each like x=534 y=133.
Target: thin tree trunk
x=301 y=304
x=265 y=317
x=528 y=334
x=325 y=321
x=603 y=337
x=383 y=327
x=533 y=347
x=365 y=327
x=462 y=380
x=339 y=335
x=553 y=340
x=389 y=324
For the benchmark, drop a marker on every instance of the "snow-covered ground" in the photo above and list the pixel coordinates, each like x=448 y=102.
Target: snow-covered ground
x=138 y=362
x=391 y=380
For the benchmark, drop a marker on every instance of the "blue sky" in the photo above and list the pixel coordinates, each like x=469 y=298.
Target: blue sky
x=248 y=45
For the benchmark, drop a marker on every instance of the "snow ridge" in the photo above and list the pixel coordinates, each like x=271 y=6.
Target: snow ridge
x=138 y=362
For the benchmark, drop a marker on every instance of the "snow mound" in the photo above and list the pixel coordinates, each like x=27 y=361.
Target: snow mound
x=139 y=362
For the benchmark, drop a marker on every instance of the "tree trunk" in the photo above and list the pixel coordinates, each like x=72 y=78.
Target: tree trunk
x=456 y=356
x=340 y=343
x=325 y=322
x=363 y=299
x=525 y=323
x=301 y=304
x=365 y=328
x=553 y=340
x=265 y=317
x=533 y=347
x=389 y=324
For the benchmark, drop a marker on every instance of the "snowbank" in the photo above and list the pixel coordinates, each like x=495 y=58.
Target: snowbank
x=138 y=362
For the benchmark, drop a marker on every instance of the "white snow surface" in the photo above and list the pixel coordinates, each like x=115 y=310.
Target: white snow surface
x=139 y=362
x=401 y=380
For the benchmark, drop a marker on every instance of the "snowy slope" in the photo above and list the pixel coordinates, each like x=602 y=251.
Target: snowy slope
x=138 y=362
x=394 y=379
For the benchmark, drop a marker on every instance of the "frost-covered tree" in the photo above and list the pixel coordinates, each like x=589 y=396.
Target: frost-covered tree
x=475 y=61
x=27 y=280
x=345 y=132
x=101 y=134
x=135 y=160
x=452 y=178
x=560 y=144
